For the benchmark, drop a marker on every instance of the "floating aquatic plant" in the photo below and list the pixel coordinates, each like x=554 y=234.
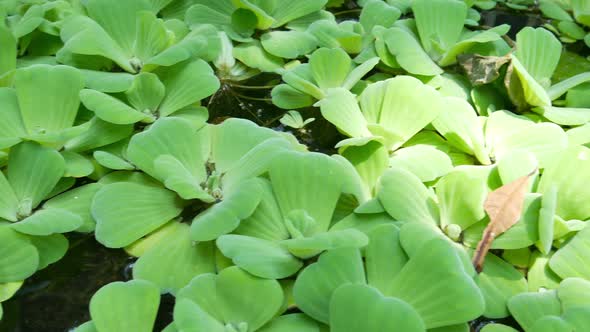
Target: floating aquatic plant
x=452 y=188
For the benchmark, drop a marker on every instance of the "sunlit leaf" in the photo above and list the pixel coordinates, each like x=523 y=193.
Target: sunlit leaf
x=122 y=306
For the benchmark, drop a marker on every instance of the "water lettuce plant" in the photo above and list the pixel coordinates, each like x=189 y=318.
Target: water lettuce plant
x=432 y=177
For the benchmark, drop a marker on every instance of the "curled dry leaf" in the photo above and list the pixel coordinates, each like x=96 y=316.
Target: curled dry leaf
x=504 y=207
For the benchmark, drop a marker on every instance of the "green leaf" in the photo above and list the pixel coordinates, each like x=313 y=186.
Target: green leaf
x=581 y=11
x=529 y=42
x=51 y=248
x=100 y=133
x=8 y=200
x=152 y=36
x=450 y=294
x=571 y=193
x=340 y=108
x=528 y=308
x=288 y=44
x=291 y=323
x=111 y=109
x=363 y=308
x=31 y=19
x=124 y=306
x=469 y=40
x=547 y=220
x=174 y=260
x=507 y=133
x=253 y=55
x=565 y=116
x=19 y=258
x=307 y=247
x=267 y=221
x=384 y=257
x=377 y=13
x=552 y=324
x=48 y=108
x=227 y=298
x=573 y=292
x=572 y=259
x=436 y=33
x=12 y=128
x=408 y=52
x=146 y=92
x=225 y=216
x=459 y=124
x=126 y=211
x=497 y=328
x=526 y=231
x=186 y=83
x=498 y=282
x=578 y=318
x=526 y=88
x=172 y=137
x=317 y=282
x=244 y=21
x=424 y=161
x=76 y=201
x=402 y=105
x=84 y=36
x=462 y=194
x=370 y=161
x=189 y=316
x=329 y=67
x=8 y=289
x=49 y=221
x=539 y=274
x=106 y=82
x=77 y=166
x=233 y=138
x=8 y=53
x=287 y=97
x=262 y=258
x=114 y=16
x=405 y=198
x=112 y=161
x=33 y=171
x=300 y=183
x=286 y=11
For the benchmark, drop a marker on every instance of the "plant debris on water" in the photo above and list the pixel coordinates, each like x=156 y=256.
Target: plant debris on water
x=294 y=165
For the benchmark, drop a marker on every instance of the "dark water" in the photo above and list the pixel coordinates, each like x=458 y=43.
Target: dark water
x=56 y=298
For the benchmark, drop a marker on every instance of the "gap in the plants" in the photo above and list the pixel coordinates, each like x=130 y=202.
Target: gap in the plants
x=56 y=299
x=516 y=19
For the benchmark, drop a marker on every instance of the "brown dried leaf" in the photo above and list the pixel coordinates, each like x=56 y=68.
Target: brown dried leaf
x=504 y=207
x=482 y=69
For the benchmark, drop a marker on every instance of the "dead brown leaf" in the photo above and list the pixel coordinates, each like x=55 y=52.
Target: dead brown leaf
x=504 y=207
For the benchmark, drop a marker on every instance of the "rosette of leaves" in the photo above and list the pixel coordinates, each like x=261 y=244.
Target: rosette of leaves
x=239 y=19
x=341 y=291
x=42 y=106
x=211 y=303
x=34 y=212
x=33 y=27
x=130 y=35
x=154 y=95
x=562 y=309
x=453 y=209
x=529 y=82
x=310 y=82
x=205 y=168
x=421 y=45
x=395 y=109
x=292 y=222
